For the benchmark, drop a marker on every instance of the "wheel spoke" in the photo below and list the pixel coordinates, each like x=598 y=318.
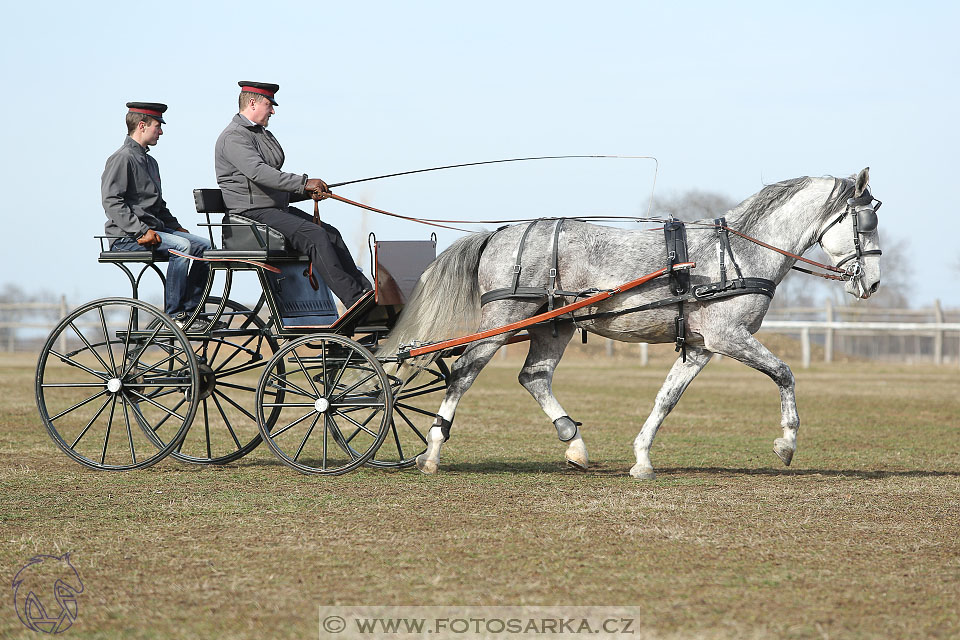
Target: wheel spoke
x=106 y=436
x=276 y=433
x=126 y=419
x=409 y=407
x=412 y=426
x=357 y=424
x=305 y=372
x=237 y=406
x=340 y=440
x=357 y=384
x=358 y=404
x=103 y=376
x=78 y=405
x=92 y=420
x=231 y=385
x=152 y=367
x=143 y=348
x=90 y=346
x=307 y=435
x=158 y=406
x=126 y=339
x=296 y=389
x=396 y=439
x=226 y=421
x=340 y=373
x=106 y=338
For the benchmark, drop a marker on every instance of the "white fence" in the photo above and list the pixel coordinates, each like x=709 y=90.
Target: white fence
x=912 y=335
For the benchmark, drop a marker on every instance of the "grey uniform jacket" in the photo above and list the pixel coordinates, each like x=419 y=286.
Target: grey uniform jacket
x=248 y=159
x=130 y=190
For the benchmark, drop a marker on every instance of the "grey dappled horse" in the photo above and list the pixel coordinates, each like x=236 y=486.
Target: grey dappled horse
x=790 y=215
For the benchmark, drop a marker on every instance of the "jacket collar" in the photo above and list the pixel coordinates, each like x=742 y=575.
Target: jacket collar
x=244 y=121
x=133 y=145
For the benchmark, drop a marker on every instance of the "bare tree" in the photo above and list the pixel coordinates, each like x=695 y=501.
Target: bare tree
x=694 y=205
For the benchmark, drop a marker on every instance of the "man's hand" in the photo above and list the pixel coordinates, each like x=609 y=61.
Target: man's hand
x=182 y=229
x=316 y=187
x=148 y=239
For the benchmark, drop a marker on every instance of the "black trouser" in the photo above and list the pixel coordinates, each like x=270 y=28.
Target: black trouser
x=330 y=257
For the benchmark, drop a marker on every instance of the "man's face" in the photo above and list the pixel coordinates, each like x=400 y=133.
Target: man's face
x=261 y=111
x=151 y=132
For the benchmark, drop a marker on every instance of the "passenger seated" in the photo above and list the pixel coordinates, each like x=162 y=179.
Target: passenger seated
x=136 y=211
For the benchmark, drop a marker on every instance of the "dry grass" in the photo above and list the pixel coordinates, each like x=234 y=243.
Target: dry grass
x=857 y=539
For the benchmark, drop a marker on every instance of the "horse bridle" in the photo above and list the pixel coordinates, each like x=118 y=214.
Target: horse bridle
x=863 y=214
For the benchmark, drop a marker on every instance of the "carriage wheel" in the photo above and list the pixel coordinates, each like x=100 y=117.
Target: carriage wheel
x=335 y=403
x=417 y=394
x=117 y=384
x=230 y=362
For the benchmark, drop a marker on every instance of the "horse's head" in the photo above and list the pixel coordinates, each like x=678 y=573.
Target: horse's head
x=851 y=239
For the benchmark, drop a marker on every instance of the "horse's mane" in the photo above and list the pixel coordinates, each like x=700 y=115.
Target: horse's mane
x=752 y=210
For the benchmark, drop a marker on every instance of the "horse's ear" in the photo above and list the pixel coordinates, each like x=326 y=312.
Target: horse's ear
x=863 y=179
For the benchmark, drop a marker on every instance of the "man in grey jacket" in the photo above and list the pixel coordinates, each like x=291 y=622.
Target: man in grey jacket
x=138 y=215
x=248 y=161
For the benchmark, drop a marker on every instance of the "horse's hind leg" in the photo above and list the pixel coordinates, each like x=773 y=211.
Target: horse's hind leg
x=681 y=374
x=464 y=371
x=742 y=346
x=537 y=378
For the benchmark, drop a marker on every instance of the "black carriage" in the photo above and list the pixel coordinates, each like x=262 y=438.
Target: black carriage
x=120 y=386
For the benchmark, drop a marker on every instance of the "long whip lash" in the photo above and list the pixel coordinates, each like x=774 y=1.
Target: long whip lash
x=474 y=164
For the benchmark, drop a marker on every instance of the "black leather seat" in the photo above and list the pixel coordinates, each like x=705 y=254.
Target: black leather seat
x=243 y=238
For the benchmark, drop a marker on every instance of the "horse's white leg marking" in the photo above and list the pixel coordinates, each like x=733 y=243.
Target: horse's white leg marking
x=536 y=376
x=464 y=371
x=681 y=374
x=748 y=350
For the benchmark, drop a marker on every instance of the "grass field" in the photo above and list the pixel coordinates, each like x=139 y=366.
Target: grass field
x=858 y=539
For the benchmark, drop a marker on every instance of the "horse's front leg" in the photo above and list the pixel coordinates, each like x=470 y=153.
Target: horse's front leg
x=681 y=374
x=742 y=346
x=537 y=378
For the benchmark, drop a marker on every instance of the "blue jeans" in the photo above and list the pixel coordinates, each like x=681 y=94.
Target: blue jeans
x=185 y=281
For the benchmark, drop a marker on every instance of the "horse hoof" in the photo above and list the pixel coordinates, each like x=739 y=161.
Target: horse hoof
x=428 y=467
x=784 y=450
x=642 y=473
x=576 y=455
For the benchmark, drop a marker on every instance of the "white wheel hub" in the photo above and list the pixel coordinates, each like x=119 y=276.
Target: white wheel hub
x=321 y=405
x=114 y=385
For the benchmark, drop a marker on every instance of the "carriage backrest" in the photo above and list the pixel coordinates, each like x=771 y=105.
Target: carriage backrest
x=238 y=232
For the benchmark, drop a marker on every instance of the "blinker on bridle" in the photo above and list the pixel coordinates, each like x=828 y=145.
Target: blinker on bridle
x=863 y=213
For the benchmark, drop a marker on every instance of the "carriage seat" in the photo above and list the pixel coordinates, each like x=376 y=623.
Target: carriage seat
x=107 y=256
x=243 y=238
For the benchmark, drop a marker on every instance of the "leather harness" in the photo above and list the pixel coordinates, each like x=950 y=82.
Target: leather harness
x=675 y=237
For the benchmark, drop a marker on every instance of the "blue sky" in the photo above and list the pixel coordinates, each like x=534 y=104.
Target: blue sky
x=726 y=97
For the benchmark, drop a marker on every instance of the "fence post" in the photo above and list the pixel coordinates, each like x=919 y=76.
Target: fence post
x=938 y=337
x=644 y=354
x=609 y=348
x=63 y=313
x=805 y=341
x=828 y=340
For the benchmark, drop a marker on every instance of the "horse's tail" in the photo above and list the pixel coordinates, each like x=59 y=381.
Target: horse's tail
x=446 y=301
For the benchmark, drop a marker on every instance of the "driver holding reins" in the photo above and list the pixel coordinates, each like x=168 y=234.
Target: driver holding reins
x=248 y=160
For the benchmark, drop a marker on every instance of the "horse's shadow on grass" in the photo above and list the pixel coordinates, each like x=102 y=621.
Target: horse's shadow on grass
x=613 y=470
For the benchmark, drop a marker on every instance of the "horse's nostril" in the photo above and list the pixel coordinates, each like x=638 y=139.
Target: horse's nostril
x=876 y=285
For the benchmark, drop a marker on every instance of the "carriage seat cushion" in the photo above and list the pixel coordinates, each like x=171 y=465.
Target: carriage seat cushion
x=244 y=234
